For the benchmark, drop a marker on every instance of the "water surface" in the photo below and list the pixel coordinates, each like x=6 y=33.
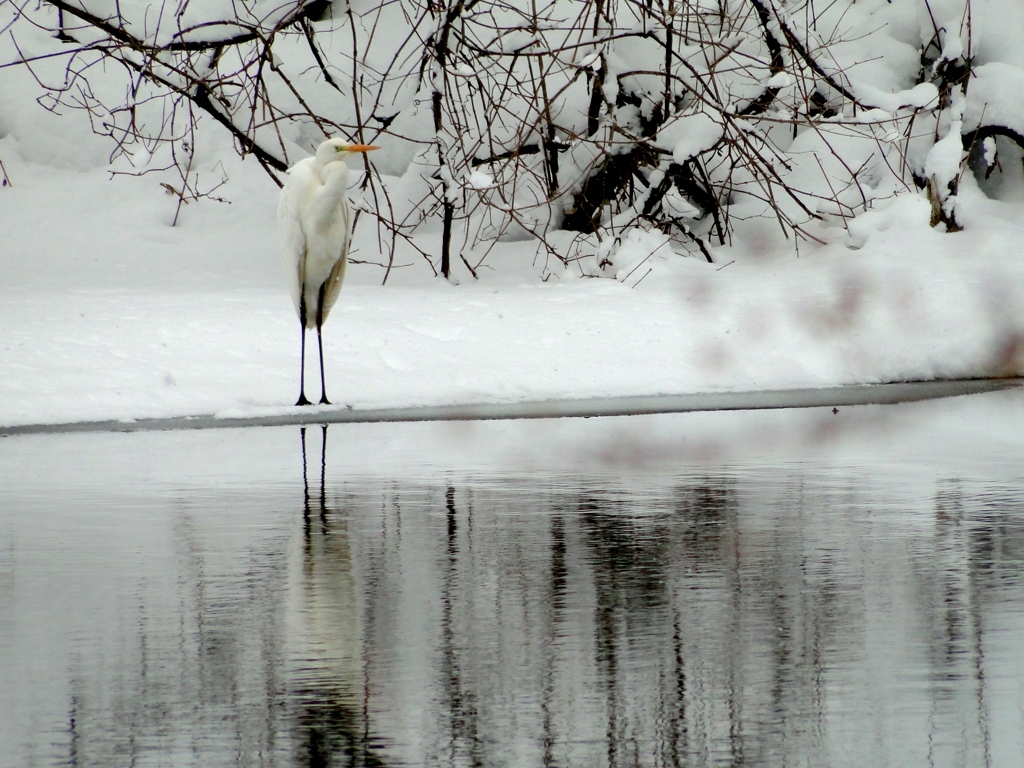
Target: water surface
x=732 y=589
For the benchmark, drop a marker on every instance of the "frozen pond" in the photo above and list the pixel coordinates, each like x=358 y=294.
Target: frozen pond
x=778 y=588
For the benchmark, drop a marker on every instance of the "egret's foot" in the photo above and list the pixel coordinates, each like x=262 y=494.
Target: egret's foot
x=324 y=400
x=302 y=400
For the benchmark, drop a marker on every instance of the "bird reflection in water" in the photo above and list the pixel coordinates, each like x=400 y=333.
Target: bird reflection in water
x=329 y=690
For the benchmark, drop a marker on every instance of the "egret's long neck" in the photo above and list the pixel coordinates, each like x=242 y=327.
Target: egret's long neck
x=335 y=176
x=333 y=194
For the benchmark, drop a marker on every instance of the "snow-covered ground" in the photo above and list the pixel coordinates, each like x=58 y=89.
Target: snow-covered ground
x=108 y=311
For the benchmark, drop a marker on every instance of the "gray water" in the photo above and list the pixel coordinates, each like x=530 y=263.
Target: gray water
x=774 y=590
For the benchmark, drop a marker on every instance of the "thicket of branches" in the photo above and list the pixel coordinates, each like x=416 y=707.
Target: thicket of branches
x=562 y=121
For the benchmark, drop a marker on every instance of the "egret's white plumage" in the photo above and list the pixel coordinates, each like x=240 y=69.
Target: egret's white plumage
x=315 y=224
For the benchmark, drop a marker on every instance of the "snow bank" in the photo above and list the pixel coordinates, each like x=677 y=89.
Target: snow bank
x=107 y=311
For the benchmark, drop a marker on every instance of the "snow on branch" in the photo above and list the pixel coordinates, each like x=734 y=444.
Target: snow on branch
x=562 y=122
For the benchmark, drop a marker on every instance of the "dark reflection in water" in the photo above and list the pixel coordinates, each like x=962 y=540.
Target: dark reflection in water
x=794 y=615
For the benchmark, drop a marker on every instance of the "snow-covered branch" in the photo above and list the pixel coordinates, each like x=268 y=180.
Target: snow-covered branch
x=564 y=122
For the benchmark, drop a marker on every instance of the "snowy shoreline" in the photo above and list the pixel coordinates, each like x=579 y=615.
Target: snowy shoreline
x=638 y=405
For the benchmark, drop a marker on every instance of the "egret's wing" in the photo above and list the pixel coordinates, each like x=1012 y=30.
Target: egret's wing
x=332 y=287
x=297 y=188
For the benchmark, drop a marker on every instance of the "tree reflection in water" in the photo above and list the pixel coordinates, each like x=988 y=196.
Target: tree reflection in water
x=768 y=614
x=713 y=620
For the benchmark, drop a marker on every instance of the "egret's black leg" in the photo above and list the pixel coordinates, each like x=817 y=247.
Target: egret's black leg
x=302 y=354
x=320 y=344
x=323 y=386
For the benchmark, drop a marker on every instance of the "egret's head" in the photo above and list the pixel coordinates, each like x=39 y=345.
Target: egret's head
x=339 y=149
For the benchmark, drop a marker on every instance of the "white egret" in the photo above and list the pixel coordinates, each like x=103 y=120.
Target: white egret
x=315 y=224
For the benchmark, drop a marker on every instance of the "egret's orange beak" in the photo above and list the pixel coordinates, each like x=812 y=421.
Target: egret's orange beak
x=361 y=147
